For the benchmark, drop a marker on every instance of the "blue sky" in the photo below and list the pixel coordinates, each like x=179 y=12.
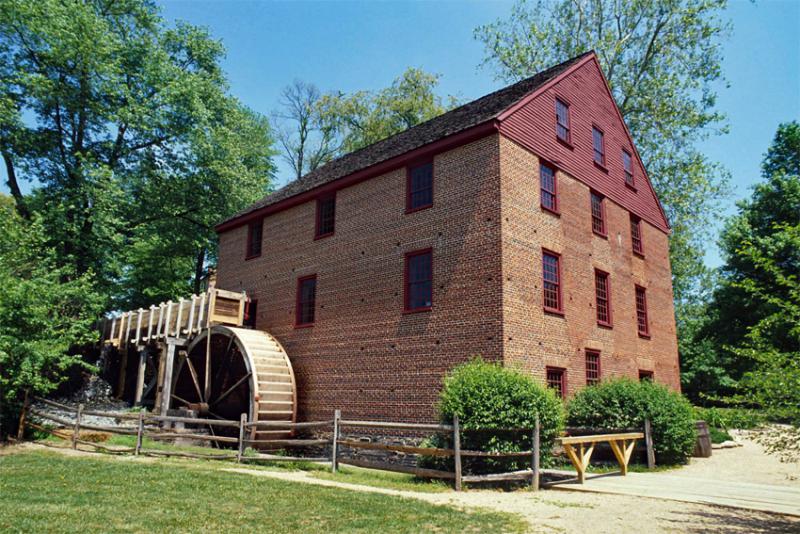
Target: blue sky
x=365 y=45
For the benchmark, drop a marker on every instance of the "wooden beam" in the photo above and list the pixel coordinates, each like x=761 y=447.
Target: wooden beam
x=137 y=400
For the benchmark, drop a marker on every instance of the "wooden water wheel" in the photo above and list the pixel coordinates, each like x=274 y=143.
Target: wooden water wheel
x=248 y=371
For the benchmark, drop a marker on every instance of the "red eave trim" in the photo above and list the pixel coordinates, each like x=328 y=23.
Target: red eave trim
x=524 y=101
x=429 y=150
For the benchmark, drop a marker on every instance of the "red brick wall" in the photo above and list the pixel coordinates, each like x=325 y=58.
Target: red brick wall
x=362 y=354
x=534 y=339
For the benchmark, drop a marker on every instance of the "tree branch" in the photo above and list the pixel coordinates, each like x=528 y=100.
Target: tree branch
x=13 y=185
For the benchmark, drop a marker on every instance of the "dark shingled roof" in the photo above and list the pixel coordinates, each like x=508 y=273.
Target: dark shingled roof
x=454 y=121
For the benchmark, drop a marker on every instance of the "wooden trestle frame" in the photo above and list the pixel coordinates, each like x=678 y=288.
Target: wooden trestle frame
x=250 y=369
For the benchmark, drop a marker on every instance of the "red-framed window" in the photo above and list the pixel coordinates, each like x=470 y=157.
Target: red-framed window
x=557 y=379
x=627 y=165
x=551 y=281
x=562 y=121
x=250 y=313
x=306 y=300
x=598 y=213
x=254 y=234
x=549 y=188
x=599 y=145
x=646 y=375
x=418 y=294
x=641 y=312
x=636 y=236
x=326 y=216
x=419 y=186
x=602 y=294
x=592 y=367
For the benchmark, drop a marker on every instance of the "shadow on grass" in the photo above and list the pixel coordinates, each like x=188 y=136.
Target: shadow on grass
x=736 y=521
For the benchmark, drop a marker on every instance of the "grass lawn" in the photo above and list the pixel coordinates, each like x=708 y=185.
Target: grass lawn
x=47 y=492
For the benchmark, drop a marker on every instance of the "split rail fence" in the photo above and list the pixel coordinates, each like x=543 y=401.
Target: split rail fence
x=145 y=429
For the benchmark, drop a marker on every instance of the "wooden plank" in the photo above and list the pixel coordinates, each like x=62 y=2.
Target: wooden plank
x=140 y=370
x=484 y=454
x=337 y=415
x=536 y=455
x=277 y=458
x=288 y=424
x=242 y=421
x=138 y=333
x=573 y=457
x=190 y=455
x=190 y=322
x=195 y=421
x=385 y=466
x=597 y=438
x=289 y=442
x=499 y=477
x=423 y=451
x=457 y=452
x=26 y=405
x=150 y=317
x=199 y=437
x=77 y=428
x=405 y=426
x=648 y=440
x=139 y=432
x=166 y=385
x=179 y=318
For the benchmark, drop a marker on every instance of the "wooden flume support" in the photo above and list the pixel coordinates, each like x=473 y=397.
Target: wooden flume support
x=206 y=361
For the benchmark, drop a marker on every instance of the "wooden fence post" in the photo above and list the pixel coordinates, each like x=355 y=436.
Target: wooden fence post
x=337 y=414
x=536 y=448
x=139 y=433
x=457 y=452
x=26 y=404
x=648 y=439
x=242 y=421
x=77 y=429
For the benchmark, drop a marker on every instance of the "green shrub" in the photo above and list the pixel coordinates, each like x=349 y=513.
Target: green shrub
x=738 y=418
x=718 y=435
x=489 y=396
x=624 y=403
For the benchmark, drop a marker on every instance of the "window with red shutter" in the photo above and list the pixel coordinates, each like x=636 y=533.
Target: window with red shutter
x=549 y=188
x=551 y=281
x=598 y=214
x=592 y=367
x=562 y=121
x=602 y=291
x=557 y=379
x=641 y=312
x=636 y=236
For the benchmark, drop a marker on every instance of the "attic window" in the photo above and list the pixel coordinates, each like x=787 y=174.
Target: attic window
x=254 y=233
x=627 y=164
x=598 y=143
x=419 y=187
x=562 y=121
x=326 y=216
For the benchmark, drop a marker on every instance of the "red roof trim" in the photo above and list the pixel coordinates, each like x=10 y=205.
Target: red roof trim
x=522 y=102
x=429 y=150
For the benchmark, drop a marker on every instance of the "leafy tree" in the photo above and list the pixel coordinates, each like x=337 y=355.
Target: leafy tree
x=306 y=141
x=750 y=315
x=316 y=128
x=98 y=97
x=661 y=59
x=364 y=117
x=41 y=315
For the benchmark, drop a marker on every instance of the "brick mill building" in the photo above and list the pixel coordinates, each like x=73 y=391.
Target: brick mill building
x=521 y=227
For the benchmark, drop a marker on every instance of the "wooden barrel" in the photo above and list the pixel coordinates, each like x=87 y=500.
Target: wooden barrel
x=702 y=447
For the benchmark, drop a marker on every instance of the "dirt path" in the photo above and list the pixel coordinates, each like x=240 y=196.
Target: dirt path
x=548 y=511
x=748 y=463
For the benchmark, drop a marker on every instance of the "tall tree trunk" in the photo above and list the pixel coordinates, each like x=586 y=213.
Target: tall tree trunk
x=198 y=269
x=13 y=186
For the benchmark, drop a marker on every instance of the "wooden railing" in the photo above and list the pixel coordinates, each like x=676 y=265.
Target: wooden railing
x=181 y=318
x=337 y=442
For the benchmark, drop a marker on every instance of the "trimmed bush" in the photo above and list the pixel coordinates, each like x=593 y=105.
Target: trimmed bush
x=485 y=396
x=624 y=403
